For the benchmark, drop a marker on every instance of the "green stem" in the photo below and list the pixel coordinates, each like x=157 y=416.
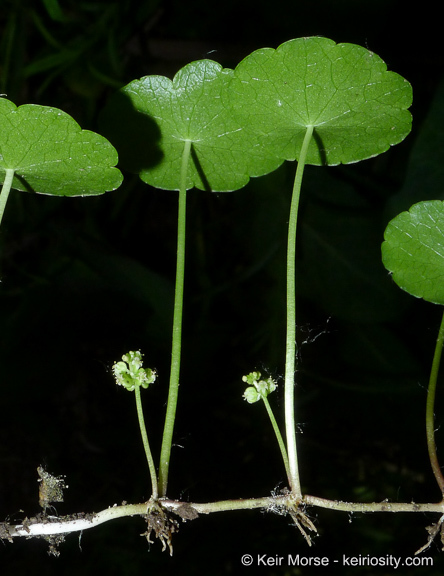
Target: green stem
x=6 y=188
x=290 y=424
x=278 y=436
x=77 y=522
x=430 y=415
x=146 y=444
x=170 y=416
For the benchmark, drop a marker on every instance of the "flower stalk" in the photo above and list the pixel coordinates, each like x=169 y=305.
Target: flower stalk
x=130 y=374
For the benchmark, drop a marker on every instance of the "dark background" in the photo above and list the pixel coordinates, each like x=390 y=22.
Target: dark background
x=85 y=280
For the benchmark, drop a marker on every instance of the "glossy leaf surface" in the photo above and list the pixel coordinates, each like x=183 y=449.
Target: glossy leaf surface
x=413 y=250
x=51 y=154
x=358 y=108
x=161 y=115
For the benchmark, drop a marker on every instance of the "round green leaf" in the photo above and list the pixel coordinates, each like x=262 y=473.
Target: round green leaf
x=413 y=250
x=161 y=115
x=51 y=154
x=358 y=108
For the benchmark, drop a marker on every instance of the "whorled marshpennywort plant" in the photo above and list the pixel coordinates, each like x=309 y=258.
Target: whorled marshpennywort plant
x=310 y=100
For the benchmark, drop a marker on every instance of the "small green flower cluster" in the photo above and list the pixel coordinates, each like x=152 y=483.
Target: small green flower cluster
x=258 y=388
x=130 y=373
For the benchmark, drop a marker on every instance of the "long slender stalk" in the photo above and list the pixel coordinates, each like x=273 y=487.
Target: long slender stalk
x=278 y=436
x=430 y=407
x=6 y=188
x=146 y=445
x=170 y=416
x=291 y=347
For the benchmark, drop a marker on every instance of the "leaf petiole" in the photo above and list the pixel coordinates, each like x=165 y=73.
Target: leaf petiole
x=173 y=391
x=430 y=406
x=291 y=346
x=6 y=188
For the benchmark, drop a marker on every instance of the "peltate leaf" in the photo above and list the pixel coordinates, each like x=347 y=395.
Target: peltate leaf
x=160 y=115
x=413 y=250
x=51 y=154
x=358 y=108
